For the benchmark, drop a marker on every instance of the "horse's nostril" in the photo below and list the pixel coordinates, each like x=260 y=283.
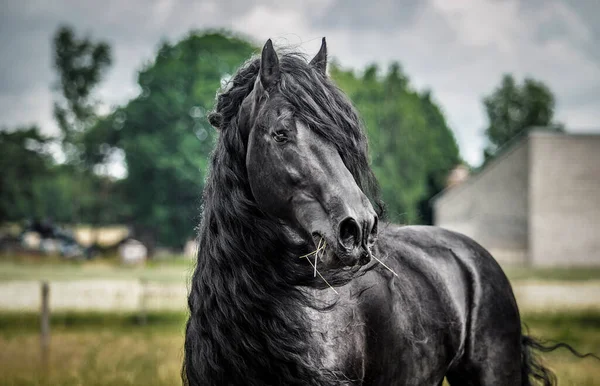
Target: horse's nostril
x=374 y=227
x=364 y=259
x=349 y=233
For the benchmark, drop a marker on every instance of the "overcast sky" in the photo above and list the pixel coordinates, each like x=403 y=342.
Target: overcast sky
x=459 y=48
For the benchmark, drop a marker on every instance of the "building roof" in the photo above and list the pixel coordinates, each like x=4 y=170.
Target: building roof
x=505 y=151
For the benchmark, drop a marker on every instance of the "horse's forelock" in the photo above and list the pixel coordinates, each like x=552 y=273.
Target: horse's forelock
x=326 y=110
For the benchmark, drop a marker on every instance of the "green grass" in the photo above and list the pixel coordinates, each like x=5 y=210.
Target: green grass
x=55 y=269
x=576 y=274
x=28 y=322
x=579 y=329
x=179 y=269
x=582 y=331
x=115 y=349
x=93 y=349
x=121 y=354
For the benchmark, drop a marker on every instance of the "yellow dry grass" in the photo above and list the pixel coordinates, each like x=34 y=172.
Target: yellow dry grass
x=93 y=358
x=104 y=349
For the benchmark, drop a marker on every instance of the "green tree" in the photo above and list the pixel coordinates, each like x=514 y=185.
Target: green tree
x=32 y=185
x=443 y=157
x=514 y=109
x=165 y=135
x=411 y=146
x=22 y=161
x=80 y=63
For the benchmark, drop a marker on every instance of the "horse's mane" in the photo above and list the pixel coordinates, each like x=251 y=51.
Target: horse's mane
x=247 y=324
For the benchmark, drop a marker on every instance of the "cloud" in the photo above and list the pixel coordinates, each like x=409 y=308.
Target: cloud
x=459 y=49
x=360 y=16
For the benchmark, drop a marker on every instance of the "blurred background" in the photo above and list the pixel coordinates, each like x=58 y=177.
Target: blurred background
x=482 y=117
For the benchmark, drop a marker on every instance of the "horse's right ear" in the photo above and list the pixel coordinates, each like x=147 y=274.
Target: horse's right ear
x=269 y=66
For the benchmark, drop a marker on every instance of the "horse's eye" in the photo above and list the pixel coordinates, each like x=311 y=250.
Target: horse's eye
x=280 y=136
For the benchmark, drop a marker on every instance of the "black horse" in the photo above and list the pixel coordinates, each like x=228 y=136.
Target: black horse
x=298 y=283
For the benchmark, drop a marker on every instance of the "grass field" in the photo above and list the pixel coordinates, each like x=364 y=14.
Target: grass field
x=115 y=349
x=111 y=349
x=53 y=268
x=179 y=269
x=92 y=349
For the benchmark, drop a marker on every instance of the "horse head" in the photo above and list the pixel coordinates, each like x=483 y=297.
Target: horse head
x=295 y=170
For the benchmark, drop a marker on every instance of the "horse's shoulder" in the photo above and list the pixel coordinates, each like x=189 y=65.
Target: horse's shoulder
x=422 y=244
x=426 y=237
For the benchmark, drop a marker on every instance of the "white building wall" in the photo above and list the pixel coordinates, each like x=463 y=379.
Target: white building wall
x=492 y=206
x=564 y=199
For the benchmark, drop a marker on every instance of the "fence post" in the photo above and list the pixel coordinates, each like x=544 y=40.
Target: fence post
x=143 y=314
x=45 y=324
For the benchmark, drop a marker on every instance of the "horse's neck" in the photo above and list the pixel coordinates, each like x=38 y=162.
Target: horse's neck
x=340 y=331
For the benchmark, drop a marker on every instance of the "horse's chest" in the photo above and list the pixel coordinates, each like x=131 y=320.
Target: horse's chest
x=340 y=334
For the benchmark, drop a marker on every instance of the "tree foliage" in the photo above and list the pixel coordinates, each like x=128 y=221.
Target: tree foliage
x=80 y=64
x=411 y=146
x=165 y=135
x=33 y=186
x=514 y=109
x=21 y=163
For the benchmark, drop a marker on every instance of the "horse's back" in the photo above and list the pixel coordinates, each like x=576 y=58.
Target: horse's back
x=450 y=297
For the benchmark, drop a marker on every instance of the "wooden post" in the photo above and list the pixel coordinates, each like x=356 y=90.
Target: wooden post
x=143 y=315
x=45 y=324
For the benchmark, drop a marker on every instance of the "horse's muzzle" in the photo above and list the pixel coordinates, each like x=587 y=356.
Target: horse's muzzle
x=355 y=240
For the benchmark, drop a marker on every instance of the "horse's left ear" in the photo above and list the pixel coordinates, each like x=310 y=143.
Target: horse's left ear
x=319 y=62
x=269 y=66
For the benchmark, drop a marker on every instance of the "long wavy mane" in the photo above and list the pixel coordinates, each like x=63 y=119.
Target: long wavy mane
x=247 y=321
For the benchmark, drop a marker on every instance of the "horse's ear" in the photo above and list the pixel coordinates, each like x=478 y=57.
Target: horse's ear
x=269 y=66
x=319 y=62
